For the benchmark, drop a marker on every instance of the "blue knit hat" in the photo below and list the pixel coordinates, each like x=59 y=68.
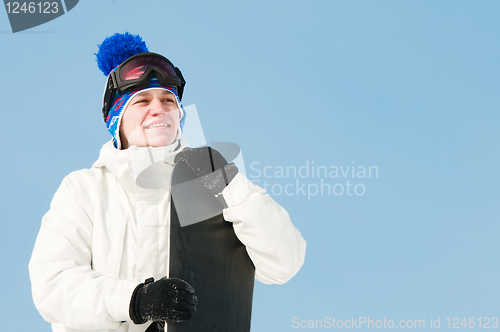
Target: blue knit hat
x=112 y=52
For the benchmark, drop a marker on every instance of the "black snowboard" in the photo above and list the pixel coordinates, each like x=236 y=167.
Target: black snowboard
x=209 y=256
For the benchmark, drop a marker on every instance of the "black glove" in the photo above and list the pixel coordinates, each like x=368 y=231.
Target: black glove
x=204 y=162
x=170 y=300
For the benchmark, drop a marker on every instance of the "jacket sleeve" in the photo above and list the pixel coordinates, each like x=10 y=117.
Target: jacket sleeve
x=274 y=245
x=65 y=288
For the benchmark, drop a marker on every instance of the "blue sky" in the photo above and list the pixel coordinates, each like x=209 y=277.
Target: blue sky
x=410 y=87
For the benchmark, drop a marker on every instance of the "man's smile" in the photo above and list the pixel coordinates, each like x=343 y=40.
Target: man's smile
x=160 y=124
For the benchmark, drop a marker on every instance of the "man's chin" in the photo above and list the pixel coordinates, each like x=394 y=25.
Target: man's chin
x=156 y=143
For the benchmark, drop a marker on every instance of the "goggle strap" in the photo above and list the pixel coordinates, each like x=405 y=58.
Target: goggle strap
x=180 y=89
x=108 y=95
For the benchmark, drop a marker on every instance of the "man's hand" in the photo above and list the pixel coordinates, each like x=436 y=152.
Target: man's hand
x=167 y=299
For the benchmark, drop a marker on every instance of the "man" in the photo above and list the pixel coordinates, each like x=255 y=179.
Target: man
x=107 y=231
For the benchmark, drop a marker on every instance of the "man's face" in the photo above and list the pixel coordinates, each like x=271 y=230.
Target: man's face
x=150 y=119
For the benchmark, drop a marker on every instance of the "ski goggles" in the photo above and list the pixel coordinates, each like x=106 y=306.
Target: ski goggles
x=135 y=74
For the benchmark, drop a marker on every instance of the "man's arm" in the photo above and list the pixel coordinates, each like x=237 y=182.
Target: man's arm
x=65 y=288
x=275 y=246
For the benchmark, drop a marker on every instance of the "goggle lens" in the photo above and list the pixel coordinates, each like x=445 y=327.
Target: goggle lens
x=134 y=73
x=135 y=68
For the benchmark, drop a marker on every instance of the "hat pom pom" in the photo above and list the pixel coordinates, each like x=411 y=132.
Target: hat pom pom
x=116 y=49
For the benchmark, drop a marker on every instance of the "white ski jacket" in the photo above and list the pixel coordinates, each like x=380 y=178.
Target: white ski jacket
x=103 y=235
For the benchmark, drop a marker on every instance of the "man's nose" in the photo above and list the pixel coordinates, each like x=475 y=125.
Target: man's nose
x=156 y=107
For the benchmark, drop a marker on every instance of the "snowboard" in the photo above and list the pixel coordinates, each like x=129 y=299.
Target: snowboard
x=208 y=255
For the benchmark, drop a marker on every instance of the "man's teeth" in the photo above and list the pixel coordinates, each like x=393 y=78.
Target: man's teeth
x=158 y=125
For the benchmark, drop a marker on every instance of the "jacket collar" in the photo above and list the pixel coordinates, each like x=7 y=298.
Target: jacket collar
x=140 y=168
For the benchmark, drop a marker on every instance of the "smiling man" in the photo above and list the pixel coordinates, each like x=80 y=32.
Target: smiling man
x=106 y=236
